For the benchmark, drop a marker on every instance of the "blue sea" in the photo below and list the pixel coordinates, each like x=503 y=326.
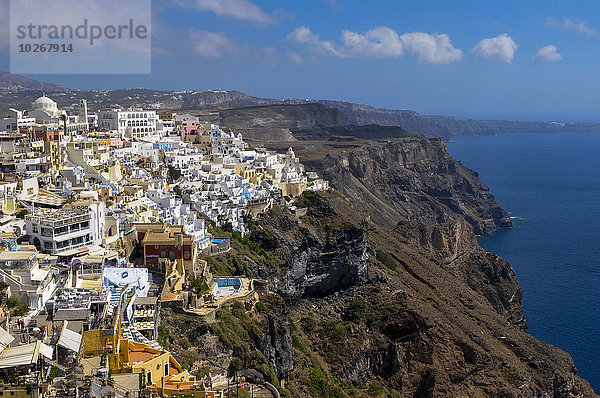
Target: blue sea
x=550 y=185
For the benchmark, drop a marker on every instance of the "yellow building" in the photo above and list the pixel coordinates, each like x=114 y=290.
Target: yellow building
x=161 y=373
x=292 y=190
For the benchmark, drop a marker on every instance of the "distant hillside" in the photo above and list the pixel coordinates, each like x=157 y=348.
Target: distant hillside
x=10 y=80
x=447 y=126
x=250 y=114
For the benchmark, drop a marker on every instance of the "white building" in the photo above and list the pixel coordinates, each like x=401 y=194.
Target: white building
x=61 y=231
x=22 y=272
x=133 y=123
x=13 y=120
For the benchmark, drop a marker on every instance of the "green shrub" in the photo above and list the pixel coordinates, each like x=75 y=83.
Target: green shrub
x=299 y=343
x=308 y=324
x=375 y=389
x=164 y=336
x=260 y=307
x=334 y=329
x=386 y=259
x=185 y=344
x=306 y=199
x=198 y=285
x=16 y=306
x=321 y=388
x=356 y=310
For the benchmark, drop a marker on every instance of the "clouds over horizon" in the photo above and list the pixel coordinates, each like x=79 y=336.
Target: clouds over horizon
x=212 y=44
x=501 y=48
x=243 y=10
x=381 y=42
x=548 y=53
x=566 y=24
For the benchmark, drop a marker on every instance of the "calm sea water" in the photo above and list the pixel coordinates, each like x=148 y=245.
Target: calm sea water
x=550 y=185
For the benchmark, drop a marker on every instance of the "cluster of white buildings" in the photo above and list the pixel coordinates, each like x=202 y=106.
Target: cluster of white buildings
x=103 y=216
x=74 y=192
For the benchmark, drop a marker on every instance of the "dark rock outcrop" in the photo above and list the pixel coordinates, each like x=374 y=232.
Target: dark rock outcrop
x=276 y=343
x=408 y=323
x=376 y=358
x=317 y=266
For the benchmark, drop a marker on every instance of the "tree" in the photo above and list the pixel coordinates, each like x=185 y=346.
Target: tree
x=177 y=191
x=173 y=174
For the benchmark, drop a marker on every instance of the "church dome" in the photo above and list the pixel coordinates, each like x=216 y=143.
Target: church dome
x=44 y=103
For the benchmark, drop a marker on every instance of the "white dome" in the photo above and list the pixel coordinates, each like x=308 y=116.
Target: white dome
x=44 y=103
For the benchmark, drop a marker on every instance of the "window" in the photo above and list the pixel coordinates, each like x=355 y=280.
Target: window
x=149 y=377
x=187 y=254
x=166 y=369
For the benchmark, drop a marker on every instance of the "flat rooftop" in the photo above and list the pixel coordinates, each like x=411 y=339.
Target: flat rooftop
x=18 y=255
x=54 y=214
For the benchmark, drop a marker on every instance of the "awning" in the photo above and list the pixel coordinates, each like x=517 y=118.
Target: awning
x=46 y=351
x=70 y=340
x=74 y=252
x=24 y=355
x=5 y=338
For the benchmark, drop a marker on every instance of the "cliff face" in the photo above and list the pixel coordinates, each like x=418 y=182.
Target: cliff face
x=412 y=178
x=447 y=126
x=278 y=122
x=359 y=309
x=455 y=246
x=436 y=316
x=317 y=263
x=381 y=288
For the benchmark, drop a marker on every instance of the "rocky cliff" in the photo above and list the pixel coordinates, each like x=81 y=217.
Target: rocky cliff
x=360 y=309
x=278 y=122
x=437 y=317
x=411 y=178
x=447 y=126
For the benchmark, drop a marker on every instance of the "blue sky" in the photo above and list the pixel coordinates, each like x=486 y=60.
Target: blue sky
x=529 y=60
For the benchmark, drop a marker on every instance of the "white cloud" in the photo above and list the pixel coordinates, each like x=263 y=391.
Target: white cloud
x=567 y=24
x=381 y=42
x=303 y=35
x=212 y=44
x=244 y=10
x=431 y=49
x=548 y=53
x=501 y=48
x=295 y=57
